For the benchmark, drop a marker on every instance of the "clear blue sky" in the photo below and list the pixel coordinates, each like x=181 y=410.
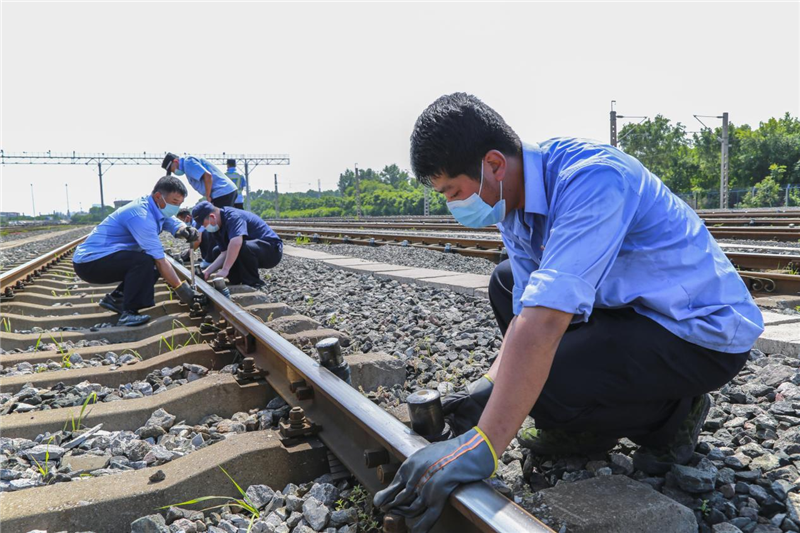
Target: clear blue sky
x=336 y=84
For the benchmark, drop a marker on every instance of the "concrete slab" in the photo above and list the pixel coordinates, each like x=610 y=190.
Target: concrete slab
x=305 y=253
x=780 y=301
x=482 y=293
x=617 y=504
x=412 y=275
x=368 y=371
x=111 y=503
x=463 y=283
x=86 y=462
x=378 y=267
x=294 y=324
x=774 y=319
x=783 y=338
x=350 y=261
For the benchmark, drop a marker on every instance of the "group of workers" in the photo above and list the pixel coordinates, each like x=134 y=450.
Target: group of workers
x=125 y=247
x=619 y=311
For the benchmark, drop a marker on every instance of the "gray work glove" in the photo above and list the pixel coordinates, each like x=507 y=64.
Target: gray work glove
x=463 y=409
x=426 y=479
x=186 y=294
x=189 y=233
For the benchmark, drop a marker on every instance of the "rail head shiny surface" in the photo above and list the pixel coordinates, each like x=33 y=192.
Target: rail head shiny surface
x=481 y=505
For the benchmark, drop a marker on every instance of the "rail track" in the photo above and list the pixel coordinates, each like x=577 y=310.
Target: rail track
x=763 y=272
x=330 y=426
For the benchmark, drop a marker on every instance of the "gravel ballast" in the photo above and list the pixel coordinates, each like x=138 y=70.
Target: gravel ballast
x=26 y=252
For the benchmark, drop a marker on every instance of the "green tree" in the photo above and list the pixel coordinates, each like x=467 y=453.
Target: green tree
x=767 y=193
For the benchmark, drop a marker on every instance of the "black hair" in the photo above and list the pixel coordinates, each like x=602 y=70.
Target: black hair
x=182 y=213
x=452 y=135
x=168 y=184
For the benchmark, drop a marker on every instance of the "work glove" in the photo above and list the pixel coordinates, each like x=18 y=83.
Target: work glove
x=186 y=294
x=425 y=480
x=463 y=409
x=189 y=233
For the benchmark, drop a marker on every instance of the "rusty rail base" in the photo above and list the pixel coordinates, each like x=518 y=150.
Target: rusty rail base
x=350 y=424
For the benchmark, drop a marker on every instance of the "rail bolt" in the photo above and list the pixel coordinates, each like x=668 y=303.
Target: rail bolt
x=393 y=523
x=386 y=472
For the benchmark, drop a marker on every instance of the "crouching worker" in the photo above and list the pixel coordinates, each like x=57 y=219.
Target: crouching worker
x=125 y=248
x=204 y=242
x=619 y=310
x=244 y=243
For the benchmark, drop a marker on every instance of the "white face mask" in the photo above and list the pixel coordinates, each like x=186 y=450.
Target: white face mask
x=212 y=228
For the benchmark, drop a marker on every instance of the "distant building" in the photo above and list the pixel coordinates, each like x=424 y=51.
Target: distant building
x=10 y=214
x=120 y=203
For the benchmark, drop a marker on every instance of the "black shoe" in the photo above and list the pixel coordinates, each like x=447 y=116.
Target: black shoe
x=111 y=303
x=130 y=318
x=660 y=460
x=260 y=284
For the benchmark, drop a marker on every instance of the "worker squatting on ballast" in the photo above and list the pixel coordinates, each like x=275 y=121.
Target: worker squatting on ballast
x=243 y=243
x=619 y=310
x=125 y=248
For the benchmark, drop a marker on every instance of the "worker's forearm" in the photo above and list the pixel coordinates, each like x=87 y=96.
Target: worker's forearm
x=217 y=262
x=167 y=272
x=527 y=355
x=209 y=185
x=233 y=252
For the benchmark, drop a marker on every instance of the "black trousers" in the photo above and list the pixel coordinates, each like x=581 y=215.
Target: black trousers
x=620 y=374
x=225 y=201
x=253 y=254
x=135 y=270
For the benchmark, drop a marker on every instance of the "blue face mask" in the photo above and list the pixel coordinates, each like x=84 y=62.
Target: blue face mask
x=474 y=212
x=179 y=172
x=169 y=210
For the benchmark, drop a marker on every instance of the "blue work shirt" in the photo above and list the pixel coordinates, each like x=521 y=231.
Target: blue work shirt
x=195 y=167
x=238 y=180
x=599 y=230
x=238 y=222
x=134 y=228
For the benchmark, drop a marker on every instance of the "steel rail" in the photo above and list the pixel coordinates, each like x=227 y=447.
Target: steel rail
x=351 y=424
x=26 y=272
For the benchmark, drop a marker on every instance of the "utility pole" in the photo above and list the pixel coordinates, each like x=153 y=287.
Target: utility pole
x=614 y=117
x=247 y=185
x=277 y=202
x=66 y=185
x=723 y=163
x=319 y=188
x=613 y=124
x=358 y=194
x=427 y=210
x=723 y=185
x=102 y=201
x=33 y=202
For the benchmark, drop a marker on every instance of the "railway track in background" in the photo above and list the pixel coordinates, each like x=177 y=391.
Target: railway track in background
x=763 y=272
x=330 y=425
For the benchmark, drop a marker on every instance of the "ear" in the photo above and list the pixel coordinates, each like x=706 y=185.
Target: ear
x=497 y=164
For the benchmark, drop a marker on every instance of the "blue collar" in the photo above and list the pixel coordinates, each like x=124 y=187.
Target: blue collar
x=153 y=207
x=180 y=164
x=231 y=170
x=533 y=170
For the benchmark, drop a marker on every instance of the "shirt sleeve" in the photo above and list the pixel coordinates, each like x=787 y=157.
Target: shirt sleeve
x=521 y=267
x=235 y=226
x=145 y=232
x=193 y=169
x=590 y=221
x=172 y=224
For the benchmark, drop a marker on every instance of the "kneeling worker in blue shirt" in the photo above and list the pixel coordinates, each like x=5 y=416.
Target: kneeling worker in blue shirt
x=125 y=248
x=244 y=243
x=619 y=310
